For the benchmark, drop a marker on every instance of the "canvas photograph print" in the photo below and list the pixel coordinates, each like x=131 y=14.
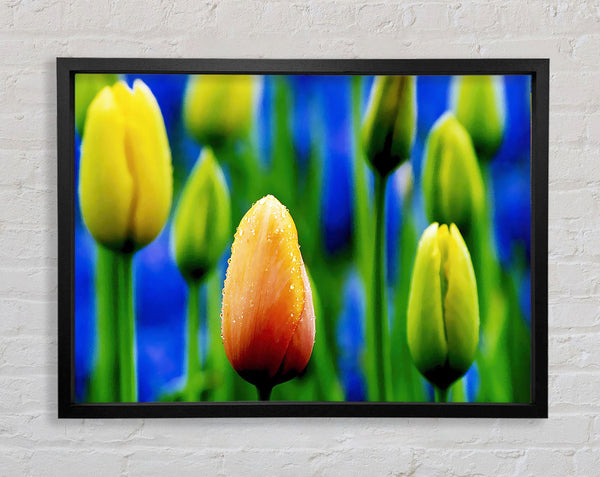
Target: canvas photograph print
x=337 y=238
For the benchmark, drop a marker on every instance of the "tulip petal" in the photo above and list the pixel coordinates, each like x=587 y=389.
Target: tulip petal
x=300 y=348
x=149 y=160
x=106 y=186
x=390 y=122
x=87 y=86
x=432 y=155
x=218 y=107
x=460 y=304
x=263 y=296
x=204 y=102
x=479 y=106
x=380 y=115
x=461 y=183
x=452 y=181
x=405 y=125
x=201 y=228
x=425 y=327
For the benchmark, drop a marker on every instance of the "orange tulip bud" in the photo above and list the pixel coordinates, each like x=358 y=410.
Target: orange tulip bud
x=268 y=318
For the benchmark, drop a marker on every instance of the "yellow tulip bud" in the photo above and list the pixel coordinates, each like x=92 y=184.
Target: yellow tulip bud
x=479 y=106
x=218 y=108
x=452 y=181
x=202 y=222
x=125 y=179
x=87 y=87
x=389 y=125
x=443 y=308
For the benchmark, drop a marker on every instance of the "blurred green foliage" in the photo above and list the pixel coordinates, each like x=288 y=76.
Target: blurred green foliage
x=318 y=145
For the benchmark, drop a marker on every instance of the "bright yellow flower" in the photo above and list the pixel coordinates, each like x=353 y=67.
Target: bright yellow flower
x=443 y=307
x=218 y=108
x=87 y=87
x=125 y=181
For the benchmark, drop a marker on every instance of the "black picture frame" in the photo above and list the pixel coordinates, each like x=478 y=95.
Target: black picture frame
x=538 y=69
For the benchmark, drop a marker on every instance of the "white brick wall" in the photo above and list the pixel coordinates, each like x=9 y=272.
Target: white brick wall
x=33 y=442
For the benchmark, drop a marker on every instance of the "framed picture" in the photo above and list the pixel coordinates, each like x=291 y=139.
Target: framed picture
x=302 y=237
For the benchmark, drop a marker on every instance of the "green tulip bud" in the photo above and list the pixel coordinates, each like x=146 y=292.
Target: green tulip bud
x=452 y=181
x=479 y=106
x=202 y=223
x=87 y=86
x=443 y=309
x=389 y=126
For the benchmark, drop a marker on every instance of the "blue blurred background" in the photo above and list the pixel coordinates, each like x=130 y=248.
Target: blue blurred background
x=322 y=129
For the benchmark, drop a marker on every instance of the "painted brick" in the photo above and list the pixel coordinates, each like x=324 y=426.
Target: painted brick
x=34 y=33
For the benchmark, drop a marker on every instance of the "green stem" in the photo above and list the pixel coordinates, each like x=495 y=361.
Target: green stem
x=104 y=387
x=493 y=359
x=226 y=154
x=362 y=218
x=126 y=328
x=193 y=326
x=380 y=339
x=328 y=384
x=114 y=377
x=441 y=395
x=264 y=393
x=407 y=383
x=283 y=169
x=216 y=362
